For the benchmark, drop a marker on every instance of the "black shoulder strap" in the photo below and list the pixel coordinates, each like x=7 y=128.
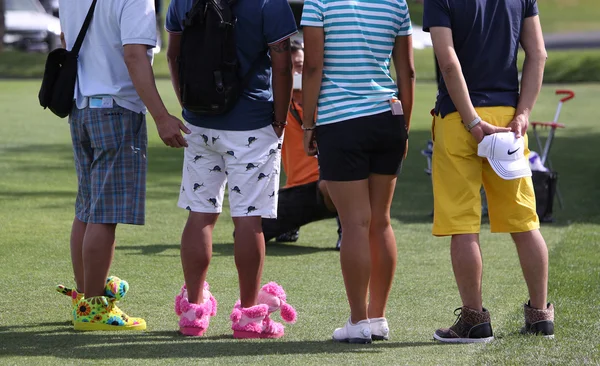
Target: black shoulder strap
x=195 y=9
x=84 y=28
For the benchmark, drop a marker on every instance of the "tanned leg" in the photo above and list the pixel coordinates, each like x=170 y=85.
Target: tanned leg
x=98 y=253
x=382 y=243
x=352 y=202
x=77 y=235
x=249 y=251
x=533 y=255
x=468 y=268
x=196 y=252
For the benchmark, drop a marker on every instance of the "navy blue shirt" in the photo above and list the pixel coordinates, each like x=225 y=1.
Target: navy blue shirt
x=259 y=23
x=486 y=37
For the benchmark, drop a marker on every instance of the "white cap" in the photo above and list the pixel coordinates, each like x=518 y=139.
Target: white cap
x=506 y=155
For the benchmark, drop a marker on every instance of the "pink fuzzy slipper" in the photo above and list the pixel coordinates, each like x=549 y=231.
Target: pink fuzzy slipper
x=194 y=318
x=248 y=322
x=274 y=297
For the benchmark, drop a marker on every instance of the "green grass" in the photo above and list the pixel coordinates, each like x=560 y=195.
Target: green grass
x=569 y=15
x=562 y=66
x=37 y=191
x=16 y=64
x=556 y=15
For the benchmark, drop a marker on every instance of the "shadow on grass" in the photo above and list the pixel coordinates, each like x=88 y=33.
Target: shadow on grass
x=64 y=342
x=226 y=249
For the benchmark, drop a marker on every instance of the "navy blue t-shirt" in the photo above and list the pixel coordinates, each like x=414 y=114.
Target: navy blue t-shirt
x=259 y=23
x=486 y=37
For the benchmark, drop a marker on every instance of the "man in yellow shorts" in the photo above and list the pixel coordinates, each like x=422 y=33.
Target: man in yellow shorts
x=479 y=132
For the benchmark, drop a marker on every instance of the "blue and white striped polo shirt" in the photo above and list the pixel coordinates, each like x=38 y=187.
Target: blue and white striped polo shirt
x=359 y=38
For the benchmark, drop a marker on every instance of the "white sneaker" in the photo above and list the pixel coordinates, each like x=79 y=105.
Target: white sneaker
x=379 y=329
x=354 y=333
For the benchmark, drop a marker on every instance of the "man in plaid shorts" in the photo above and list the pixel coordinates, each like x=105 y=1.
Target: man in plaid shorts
x=108 y=128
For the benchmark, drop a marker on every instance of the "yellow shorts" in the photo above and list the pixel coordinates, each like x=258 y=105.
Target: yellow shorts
x=458 y=174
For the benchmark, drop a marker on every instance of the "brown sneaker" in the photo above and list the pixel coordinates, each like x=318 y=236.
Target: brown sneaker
x=539 y=322
x=471 y=326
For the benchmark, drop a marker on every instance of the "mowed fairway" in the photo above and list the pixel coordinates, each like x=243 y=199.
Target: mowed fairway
x=37 y=191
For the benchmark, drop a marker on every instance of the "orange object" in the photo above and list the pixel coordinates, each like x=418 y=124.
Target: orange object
x=299 y=168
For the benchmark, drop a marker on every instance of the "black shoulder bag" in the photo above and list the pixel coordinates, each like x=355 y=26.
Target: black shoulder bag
x=60 y=74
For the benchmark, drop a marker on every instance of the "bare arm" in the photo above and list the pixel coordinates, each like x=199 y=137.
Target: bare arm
x=312 y=72
x=443 y=46
x=281 y=60
x=312 y=76
x=62 y=40
x=173 y=51
x=532 y=42
x=405 y=74
x=142 y=76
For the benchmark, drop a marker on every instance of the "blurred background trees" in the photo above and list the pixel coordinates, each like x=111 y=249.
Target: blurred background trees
x=1 y=25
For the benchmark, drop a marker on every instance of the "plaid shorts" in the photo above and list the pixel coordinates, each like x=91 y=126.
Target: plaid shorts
x=109 y=146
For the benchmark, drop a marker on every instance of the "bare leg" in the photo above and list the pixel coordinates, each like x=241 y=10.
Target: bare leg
x=249 y=251
x=98 y=252
x=382 y=243
x=326 y=197
x=352 y=202
x=196 y=252
x=533 y=255
x=77 y=235
x=468 y=269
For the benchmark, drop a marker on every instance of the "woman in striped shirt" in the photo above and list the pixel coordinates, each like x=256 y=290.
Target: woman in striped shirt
x=361 y=132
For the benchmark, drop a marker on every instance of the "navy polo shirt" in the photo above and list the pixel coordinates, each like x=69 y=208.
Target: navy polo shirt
x=486 y=37
x=259 y=23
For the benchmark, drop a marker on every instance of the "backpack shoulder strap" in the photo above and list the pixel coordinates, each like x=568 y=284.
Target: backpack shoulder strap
x=84 y=28
x=196 y=8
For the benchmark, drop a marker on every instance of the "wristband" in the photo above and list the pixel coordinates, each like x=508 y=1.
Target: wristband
x=474 y=123
x=309 y=128
x=279 y=124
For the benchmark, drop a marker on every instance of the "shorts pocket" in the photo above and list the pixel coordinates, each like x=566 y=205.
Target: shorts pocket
x=433 y=127
x=271 y=131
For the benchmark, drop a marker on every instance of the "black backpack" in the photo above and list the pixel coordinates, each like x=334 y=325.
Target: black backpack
x=544 y=185
x=209 y=77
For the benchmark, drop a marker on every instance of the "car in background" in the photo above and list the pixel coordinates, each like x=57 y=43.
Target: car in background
x=51 y=6
x=29 y=27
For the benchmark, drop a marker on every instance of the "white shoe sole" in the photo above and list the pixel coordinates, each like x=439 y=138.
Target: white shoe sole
x=463 y=340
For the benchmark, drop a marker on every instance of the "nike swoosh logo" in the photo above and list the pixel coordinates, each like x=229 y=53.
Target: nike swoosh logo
x=512 y=152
